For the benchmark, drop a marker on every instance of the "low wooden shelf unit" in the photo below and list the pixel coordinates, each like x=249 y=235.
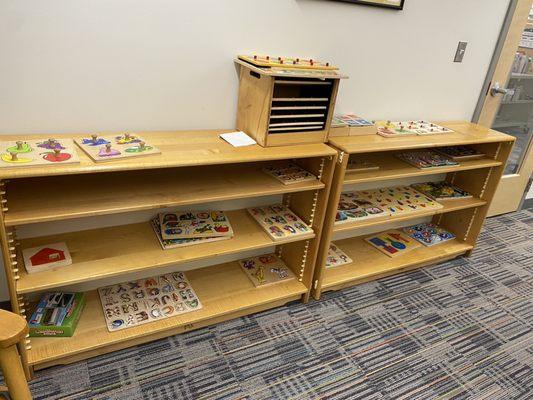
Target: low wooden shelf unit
x=194 y=168
x=462 y=217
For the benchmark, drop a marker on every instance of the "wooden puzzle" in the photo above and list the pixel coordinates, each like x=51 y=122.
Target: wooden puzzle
x=38 y=153
x=426 y=159
x=393 y=243
x=289 y=173
x=349 y=120
x=441 y=191
x=286 y=62
x=406 y=128
x=399 y=200
x=167 y=244
x=352 y=207
x=147 y=300
x=428 y=234
x=266 y=270
x=106 y=148
x=355 y=165
x=279 y=221
x=43 y=258
x=336 y=257
x=195 y=224
x=460 y=153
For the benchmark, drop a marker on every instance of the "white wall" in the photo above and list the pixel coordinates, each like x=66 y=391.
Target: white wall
x=72 y=65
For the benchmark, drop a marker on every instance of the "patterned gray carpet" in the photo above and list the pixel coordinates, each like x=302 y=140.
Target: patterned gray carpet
x=461 y=330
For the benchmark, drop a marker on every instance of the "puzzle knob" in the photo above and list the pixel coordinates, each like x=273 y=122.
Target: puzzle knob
x=13 y=156
x=57 y=152
x=297 y=60
x=255 y=57
x=327 y=64
x=94 y=138
x=126 y=136
x=268 y=58
x=141 y=145
x=108 y=148
x=19 y=145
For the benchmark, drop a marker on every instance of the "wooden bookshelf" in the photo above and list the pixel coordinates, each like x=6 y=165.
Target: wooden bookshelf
x=194 y=168
x=462 y=217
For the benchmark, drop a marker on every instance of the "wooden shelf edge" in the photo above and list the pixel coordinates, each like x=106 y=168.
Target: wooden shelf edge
x=219 y=304
x=448 y=206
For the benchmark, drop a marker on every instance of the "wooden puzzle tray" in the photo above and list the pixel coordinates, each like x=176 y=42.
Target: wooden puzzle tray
x=286 y=62
x=37 y=153
x=106 y=148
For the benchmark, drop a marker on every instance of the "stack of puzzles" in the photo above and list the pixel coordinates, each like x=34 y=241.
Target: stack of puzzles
x=399 y=200
x=105 y=148
x=336 y=257
x=408 y=128
x=134 y=303
x=57 y=314
x=441 y=191
x=426 y=159
x=352 y=207
x=186 y=228
x=289 y=173
x=280 y=222
x=266 y=270
x=38 y=153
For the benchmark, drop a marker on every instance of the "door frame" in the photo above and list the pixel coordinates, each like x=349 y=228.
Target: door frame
x=511 y=190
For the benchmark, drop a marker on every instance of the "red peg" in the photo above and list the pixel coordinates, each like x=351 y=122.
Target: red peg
x=255 y=57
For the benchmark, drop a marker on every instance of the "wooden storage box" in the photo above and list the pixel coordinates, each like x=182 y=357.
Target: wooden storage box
x=284 y=107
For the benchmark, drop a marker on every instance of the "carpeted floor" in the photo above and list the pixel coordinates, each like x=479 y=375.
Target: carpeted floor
x=461 y=330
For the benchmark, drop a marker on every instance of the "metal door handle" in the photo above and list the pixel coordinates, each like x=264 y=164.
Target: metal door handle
x=496 y=89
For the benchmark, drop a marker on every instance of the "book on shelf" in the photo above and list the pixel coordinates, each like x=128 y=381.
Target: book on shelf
x=57 y=314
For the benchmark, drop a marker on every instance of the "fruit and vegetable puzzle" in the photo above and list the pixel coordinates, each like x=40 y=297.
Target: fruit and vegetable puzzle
x=105 y=148
x=38 y=152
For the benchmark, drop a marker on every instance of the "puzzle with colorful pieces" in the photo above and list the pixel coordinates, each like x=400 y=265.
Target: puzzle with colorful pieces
x=266 y=270
x=57 y=314
x=352 y=207
x=106 y=148
x=43 y=258
x=336 y=257
x=38 y=152
x=195 y=224
x=429 y=234
x=289 y=173
x=406 y=128
x=441 y=191
x=167 y=244
x=279 y=222
x=147 y=300
x=393 y=242
x=426 y=159
x=399 y=199
x=460 y=153
x=286 y=62
x=349 y=120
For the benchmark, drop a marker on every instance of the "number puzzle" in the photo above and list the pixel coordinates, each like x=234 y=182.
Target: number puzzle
x=393 y=242
x=266 y=270
x=147 y=300
x=106 y=148
x=38 y=152
x=399 y=199
x=406 y=128
x=279 y=222
x=195 y=224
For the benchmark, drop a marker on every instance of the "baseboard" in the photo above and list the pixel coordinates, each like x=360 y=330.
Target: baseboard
x=528 y=204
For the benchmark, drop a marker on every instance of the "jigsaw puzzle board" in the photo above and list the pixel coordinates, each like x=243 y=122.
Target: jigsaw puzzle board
x=336 y=257
x=106 y=148
x=146 y=300
x=406 y=128
x=279 y=222
x=266 y=270
x=38 y=153
x=195 y=224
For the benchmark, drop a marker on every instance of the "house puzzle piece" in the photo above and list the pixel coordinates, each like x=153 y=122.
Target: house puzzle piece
x=105 y=148
x=43 y=258
x=38 y=152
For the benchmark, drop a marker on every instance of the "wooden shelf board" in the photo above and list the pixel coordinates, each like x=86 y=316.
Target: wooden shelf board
x=370 y=262
x=448 y=206
x=106 y=252
x=178 y=149
x=392 y=167
x=464 y=133
x=223 y=289
x=45 y=199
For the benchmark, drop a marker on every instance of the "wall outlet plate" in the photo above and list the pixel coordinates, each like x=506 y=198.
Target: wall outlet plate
x=460 y=52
